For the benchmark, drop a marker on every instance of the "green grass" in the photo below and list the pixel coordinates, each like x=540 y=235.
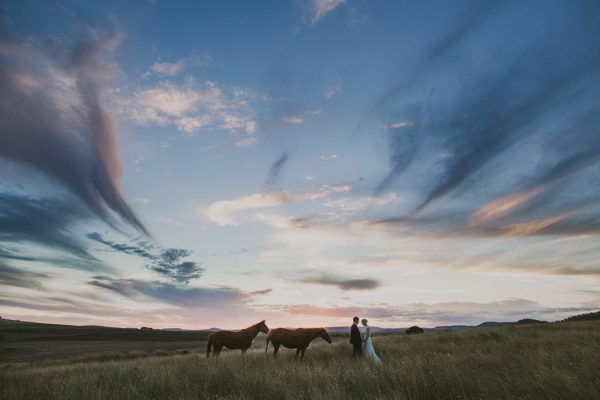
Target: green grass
x=551 y=361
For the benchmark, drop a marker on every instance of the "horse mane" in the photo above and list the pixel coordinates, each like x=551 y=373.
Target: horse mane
x=245 y=330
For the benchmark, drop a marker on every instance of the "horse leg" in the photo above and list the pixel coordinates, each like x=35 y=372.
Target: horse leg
x=276 y=347
x=217 y=351
x=302 y=356
x=297 y=352
x=244 y=351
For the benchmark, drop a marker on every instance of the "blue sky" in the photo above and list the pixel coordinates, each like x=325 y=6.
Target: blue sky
x=199 y=164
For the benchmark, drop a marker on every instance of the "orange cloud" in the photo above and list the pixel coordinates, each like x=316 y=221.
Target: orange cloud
x=503 y=206
x=531 y=227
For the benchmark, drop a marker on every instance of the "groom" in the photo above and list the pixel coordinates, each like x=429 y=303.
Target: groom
x=355 y=339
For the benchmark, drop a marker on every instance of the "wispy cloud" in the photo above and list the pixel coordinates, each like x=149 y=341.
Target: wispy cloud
x=342 y=283
x=143 y=200
x=401 y=124
x=498 y=103
x=181 y=296
x=11 y=276
x=175 y=68
x=47 y=222
x=246 y=142
x=276 y=168
x=292 y=119
x=320 y=8
x=177 y=295
x=168 y=69
x=191 y=107
x=329 y=157
x=167 y=262
x=332 y=90
x=61 y=110
x=226 y=212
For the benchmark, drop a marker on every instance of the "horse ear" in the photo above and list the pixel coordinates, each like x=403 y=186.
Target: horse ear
x=263 y=321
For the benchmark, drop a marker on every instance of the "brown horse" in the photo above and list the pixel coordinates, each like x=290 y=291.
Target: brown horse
x=241 y=339
x=298 y=339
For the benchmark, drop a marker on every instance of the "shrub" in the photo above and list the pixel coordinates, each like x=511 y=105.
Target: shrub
x=414 y=330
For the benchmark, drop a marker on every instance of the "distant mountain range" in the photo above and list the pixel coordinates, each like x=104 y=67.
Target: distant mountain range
x=593 y=316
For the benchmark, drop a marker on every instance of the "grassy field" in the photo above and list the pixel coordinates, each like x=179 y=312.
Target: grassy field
x=551 y=361
x=28 y=341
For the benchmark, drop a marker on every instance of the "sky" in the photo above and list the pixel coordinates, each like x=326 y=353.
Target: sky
x=212 y=164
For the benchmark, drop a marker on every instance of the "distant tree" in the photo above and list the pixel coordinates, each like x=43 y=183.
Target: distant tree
x=414 y=330
x=528 y=321
x=593 y=316
x=145 y=328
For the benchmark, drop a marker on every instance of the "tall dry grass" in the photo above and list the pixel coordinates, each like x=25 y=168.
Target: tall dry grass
x=554 y=361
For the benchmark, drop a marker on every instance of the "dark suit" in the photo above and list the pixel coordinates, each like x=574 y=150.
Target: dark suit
x=355 y=340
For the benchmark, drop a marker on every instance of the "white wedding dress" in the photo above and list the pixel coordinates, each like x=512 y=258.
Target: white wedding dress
x=369 y=350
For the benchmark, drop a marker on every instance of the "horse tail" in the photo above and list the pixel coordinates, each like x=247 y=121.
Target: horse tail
x=208 y=346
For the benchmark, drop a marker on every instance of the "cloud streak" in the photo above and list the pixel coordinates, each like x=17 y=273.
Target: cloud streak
x=46 y=222
x=276 y=168
x=227 y=212
x=320 y=8
x=53 y=119
x=180 y=296
x=11 y=276
x=343 y=283
x=494 y=104
x=167 y=262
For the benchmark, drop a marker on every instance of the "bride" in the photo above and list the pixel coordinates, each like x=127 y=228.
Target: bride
x=369 y=350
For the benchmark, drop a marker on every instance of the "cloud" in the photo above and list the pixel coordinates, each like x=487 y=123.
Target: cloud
x=225 y=212
x=502 y=207
x=247 y=142
x=56 y=102
x=11 y=276
x=341 y=188
x=259 y=293
x=435 y=314
x=143 y=200
x=43 y=221
x=191 y=107
x=167 y=262
x=354 y=205
x=276 y=168
x=292 y=119
x=342 y=283
x=142 y=249
x=168 y=69
x=494 y=104
x=320 y=8
x=400 y=124
x=329 y=157
x=170 y=265
x=186 y=297
x=332 y=91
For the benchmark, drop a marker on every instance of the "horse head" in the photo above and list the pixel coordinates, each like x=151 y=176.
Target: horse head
x=325 y=335
x=262 y=327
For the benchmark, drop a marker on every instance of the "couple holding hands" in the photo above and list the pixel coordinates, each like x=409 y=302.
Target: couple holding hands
x=358 y=340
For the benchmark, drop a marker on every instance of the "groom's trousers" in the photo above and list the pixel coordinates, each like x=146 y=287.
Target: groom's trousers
x=357 y=350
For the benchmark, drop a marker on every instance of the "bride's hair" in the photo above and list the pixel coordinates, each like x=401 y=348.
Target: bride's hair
x=364 y=321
